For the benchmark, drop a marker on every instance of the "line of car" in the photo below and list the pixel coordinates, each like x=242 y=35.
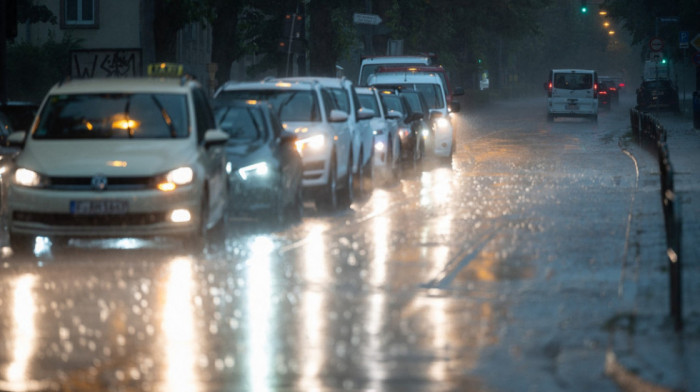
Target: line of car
x=156 y=156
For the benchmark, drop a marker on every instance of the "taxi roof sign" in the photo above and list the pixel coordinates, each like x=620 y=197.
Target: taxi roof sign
x=168 y=70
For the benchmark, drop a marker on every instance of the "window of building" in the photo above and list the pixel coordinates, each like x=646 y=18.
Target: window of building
x=79 y=13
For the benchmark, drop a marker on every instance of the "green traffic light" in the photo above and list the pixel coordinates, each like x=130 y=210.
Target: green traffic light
x=663 y=61
x=584 y=9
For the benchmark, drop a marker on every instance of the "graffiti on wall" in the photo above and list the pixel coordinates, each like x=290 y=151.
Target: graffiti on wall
x=106 y=63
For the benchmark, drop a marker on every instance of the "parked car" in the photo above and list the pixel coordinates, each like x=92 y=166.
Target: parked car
x=310 y=111
x=120 y=157
x=387 y=145
x=263 y=165
x=431 y=87
x=345 y=98
x=411 y=126
x=657 y=95
x=20 y=113
x=572 y=93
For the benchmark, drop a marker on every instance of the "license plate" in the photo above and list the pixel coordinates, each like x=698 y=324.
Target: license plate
x=572 y=106
x=98 y=207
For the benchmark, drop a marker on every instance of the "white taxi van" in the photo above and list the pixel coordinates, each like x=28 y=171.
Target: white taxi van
x=135 y=157
x=572 y=93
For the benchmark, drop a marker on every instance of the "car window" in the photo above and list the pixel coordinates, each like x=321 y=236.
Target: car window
x=115 y=116
x=329 y=102
x=369 y=102
x=243 y=124
x=289 y=105
x=432 y=93
x=341 y=99
x=392 y=102
x=414 y=103
x=203 y=113
x=573 y=81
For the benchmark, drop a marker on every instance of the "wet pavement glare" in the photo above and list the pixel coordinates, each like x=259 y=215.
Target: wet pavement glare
x=495 y=272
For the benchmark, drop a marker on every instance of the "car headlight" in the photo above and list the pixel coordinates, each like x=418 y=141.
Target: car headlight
x=442 y=122
x=177 y=177
x=259 y=169
x=314 y=143
x=379 y=146
x=28 y=178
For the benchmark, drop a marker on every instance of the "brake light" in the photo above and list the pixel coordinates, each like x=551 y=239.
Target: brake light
x=549 y=89
x=622 y=85
x=595 y=90
x=613 y=89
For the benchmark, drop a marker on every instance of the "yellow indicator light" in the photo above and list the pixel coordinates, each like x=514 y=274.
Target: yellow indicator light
x=335 y=137
x=301 y=130
x=252 y=102
x=413 y=69
x=284 y=125
x=116 y=163
x=611 y=32
x=166 y=186
x=602 y=13
x=125 y=124
x=606 y=24
x=283 y=84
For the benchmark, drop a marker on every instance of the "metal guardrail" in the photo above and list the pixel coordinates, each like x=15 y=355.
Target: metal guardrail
x=647 y=128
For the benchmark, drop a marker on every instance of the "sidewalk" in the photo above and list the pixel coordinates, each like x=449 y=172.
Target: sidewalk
x=647 y=354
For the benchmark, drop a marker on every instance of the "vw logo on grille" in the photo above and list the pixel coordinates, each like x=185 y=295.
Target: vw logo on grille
x=99 y=182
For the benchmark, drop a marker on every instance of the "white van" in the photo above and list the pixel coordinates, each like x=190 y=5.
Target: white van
x=370 y=65
x=572 y=93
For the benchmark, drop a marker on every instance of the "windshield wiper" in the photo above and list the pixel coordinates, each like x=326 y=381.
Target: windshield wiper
x=166 y=117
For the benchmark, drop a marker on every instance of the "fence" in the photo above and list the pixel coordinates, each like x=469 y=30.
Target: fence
x=647 y=128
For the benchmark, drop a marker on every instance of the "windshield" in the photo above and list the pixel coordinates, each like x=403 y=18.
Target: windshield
x=243 y=124
x=289 y=105
x=573 y=81
x=114 y=116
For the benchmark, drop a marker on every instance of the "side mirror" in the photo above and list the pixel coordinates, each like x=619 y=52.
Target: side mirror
x=215 y=137
x=364 y=114
x=458 y=91
x=394 y=114
x=455 y=107
x=16 y=139
x=338 y=116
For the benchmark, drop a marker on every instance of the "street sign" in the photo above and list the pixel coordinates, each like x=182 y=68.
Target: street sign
x=683 y=39
x=370 y=19
x=696 y=42
x=656 y=44
x=696 y=59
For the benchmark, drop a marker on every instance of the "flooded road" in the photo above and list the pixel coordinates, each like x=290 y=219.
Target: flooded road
x=495 y=272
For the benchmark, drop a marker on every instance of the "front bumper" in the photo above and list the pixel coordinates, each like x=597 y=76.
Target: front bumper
x=146 y=213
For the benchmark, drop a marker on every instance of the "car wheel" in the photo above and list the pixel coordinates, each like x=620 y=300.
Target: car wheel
x=22 y=244
x=327 y=199
x=358 y=181
x=347 y=193
x=394 y=162
x=196 y=242
x=296 y=208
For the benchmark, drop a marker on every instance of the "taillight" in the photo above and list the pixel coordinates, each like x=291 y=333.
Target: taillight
x=613 y=89
x=595 y=90
x=549 y=89
x=622 y=85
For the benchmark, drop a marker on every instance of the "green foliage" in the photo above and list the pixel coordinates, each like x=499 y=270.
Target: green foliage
x=33 y=69
x=28 y=12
